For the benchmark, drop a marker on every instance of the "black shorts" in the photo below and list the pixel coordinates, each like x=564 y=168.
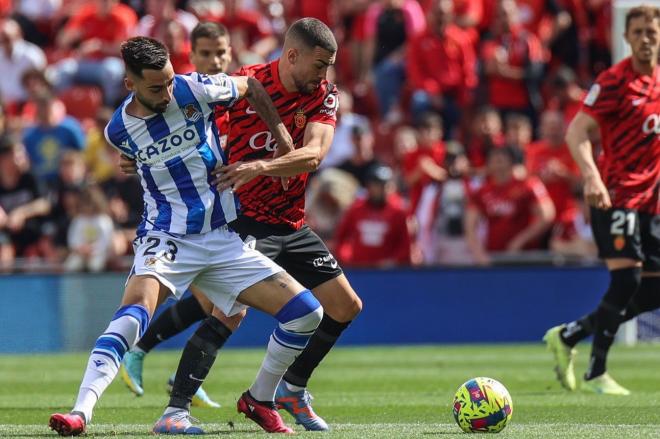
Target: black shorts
x=300 y=252
x=626 y=233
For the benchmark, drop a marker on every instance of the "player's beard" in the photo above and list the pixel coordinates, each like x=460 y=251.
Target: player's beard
x=150 y=106
x=306 y=88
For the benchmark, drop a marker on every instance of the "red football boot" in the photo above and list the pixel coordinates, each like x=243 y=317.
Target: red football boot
x=263 y=414
x=67 y=424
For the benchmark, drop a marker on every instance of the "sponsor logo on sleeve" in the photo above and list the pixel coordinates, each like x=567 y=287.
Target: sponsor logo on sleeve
x=591 y=97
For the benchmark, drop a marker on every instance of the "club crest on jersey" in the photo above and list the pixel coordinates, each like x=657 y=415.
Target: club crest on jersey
x=619 y=243
x=191 y=113
x=299 y=118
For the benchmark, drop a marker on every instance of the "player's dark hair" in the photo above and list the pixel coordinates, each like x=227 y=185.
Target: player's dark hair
x=141 y=53
x=209 y=30
x=647 y=11
x=313 y=32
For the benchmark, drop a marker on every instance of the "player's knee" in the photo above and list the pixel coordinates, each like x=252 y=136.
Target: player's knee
x=355 y=307
x=234 y=321
x=624 y=283
x=138 y=316
x=301 y=314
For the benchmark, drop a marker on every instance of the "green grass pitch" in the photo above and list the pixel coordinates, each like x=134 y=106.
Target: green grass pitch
x=363 y=392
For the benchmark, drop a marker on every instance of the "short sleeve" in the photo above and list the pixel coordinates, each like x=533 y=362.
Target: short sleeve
x=213 y=90
x=602 y=99
x=327 y=110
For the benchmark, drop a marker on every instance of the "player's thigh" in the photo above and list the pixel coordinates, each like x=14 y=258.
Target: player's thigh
x=272 y=293
x=617 y=233
x=239 y=276
x=145 y=290
x=650 y=236
x=306 y=257
x=338 y=299
x=165 y=265
x=204 y=302
x=308 y=260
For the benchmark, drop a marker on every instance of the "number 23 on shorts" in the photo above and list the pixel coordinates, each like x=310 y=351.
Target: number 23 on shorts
x=153 y=248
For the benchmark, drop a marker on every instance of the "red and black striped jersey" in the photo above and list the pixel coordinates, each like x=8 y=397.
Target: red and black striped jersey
x=263 y=199
x=626 y=106
x=222 y=121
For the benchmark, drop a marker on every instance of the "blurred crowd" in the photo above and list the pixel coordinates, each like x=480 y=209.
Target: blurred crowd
x=449 y=146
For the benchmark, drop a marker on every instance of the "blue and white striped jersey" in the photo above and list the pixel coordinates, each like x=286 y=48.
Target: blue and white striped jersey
x=175 y=153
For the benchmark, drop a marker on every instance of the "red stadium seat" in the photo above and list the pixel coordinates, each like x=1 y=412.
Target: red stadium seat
x=82 y=101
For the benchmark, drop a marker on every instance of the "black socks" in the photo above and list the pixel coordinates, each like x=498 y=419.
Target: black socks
x=323 y=339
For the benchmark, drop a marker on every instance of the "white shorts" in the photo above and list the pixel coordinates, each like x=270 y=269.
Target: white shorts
x=218 y=262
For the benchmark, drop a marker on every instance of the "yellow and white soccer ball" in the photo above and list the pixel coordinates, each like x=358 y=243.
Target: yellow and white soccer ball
x=482 y=405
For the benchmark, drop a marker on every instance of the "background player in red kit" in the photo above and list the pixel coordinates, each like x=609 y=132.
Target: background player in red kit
x=623 y=192
x=272 y=215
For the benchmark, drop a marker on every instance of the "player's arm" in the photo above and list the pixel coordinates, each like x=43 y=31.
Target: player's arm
x=251 y=89
x=577 y=139
x=316 y=144
x=471 y=226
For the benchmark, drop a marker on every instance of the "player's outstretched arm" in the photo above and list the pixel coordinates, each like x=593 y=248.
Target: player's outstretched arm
x=577 y=139
x=316 y=143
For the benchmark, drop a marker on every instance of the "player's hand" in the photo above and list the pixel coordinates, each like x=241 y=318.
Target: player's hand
x=235 y=175
x=127 y=165
x=596 y=194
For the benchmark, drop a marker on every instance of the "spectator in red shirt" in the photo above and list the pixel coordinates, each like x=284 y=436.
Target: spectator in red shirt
x=252 y=36
x=22 y=204
x=389 y=25
x=177 y=42
x=513 y=64
x=445 y=89
x=544 y=18
x=94 y=34
x=486 y=134
x=517 y=211
x=374 y=232
x=159 y=13
x=423 y=165
x=550 y=160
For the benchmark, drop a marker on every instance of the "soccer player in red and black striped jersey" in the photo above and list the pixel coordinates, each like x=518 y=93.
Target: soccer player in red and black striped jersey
x=623 y=191
x=270 y=182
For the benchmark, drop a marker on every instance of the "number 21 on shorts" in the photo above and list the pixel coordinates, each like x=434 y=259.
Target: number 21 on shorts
x=623 y=223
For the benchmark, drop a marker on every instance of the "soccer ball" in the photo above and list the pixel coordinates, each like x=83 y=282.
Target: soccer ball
x=482 y=405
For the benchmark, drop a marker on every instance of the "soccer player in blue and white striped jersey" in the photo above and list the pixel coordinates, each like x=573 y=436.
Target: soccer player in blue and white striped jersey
x=166 y=124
